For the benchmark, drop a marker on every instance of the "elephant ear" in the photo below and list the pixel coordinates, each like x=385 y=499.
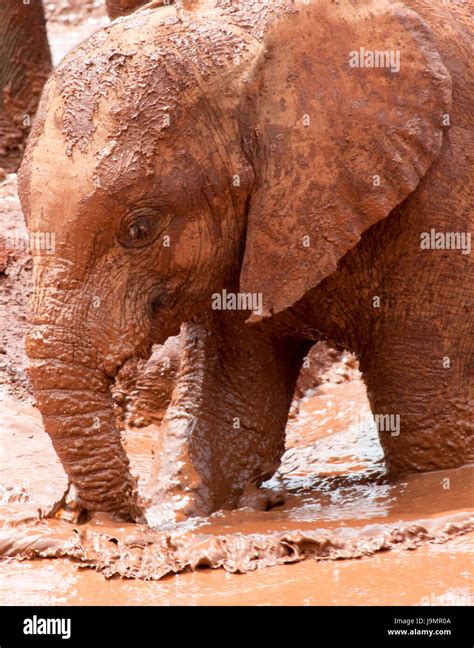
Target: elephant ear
x=335 y=146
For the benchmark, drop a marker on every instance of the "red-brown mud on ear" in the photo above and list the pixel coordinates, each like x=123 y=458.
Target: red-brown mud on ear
x=337 y=146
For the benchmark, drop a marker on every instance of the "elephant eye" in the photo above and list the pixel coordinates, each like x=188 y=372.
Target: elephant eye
x=139 y=231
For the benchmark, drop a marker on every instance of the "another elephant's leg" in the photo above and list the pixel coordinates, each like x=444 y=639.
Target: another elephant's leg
x=117 y=8
x=224 y=431
x=25 y=64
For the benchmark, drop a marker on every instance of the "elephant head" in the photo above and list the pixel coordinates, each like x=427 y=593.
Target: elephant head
x=180 y=152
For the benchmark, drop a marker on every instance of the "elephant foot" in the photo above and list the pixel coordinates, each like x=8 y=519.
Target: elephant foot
x=69 y=509
x=261 y=499
x=172 y=509
x=77 y=514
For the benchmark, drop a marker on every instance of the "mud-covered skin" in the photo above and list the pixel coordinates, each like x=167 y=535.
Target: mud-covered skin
x=143 y=388
x=25 y=64
x=74 y=395
x=187 y=131
x=416 y=350
x=247 y=399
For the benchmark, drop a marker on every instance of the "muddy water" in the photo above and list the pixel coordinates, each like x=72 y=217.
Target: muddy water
x=435 y=574
x=32 y=480
x=338 y=505
x=351 y=536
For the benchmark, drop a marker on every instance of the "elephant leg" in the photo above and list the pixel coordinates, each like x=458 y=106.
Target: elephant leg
x=224 y=431
x=143 y=389
x=418 y=359
x=117 y=8
x=420 y=398
x=25 y=64
x=404 y=310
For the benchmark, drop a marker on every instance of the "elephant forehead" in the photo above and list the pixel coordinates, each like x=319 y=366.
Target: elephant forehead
x=108 y=94
x=136 y=99
x=141 y=76
x=51 y=182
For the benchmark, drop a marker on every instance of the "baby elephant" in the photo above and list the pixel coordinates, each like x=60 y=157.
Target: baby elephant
x=271 y=174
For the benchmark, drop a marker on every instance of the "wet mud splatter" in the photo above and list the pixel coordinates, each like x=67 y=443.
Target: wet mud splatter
x=436 y=574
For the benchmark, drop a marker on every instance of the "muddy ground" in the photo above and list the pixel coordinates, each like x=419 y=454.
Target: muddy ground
x=345 y=534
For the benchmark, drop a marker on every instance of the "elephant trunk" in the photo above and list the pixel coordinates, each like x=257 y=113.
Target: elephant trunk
x=73 y=395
